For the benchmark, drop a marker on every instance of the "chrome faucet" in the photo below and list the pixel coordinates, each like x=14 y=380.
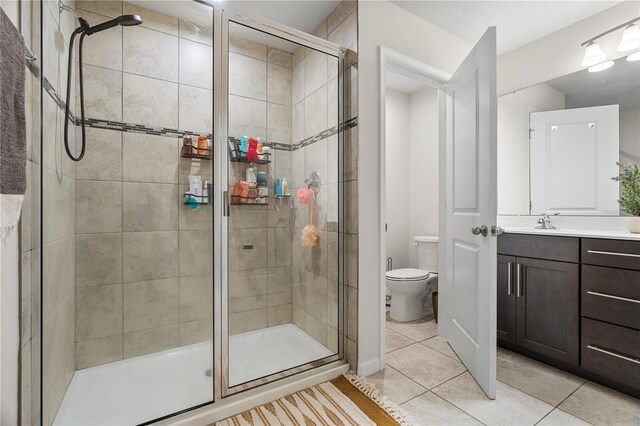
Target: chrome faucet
x=545 y=222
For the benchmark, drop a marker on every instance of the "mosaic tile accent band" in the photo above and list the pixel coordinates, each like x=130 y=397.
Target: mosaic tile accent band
x=177 y=133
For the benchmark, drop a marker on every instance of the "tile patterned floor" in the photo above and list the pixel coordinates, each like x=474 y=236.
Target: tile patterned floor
x=425 y=376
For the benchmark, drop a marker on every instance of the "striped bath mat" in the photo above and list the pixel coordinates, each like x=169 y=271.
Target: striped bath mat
x=346 y=400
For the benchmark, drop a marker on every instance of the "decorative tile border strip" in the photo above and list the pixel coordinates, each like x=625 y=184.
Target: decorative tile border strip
x=353 y=122
x=177 y=133
x=139 y=128
x=57 y=99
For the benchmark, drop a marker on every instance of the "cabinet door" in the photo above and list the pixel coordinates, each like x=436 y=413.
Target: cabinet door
x=547 y=314
x=506 y=299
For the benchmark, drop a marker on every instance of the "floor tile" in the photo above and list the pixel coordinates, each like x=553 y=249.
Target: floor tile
x=430 y=409
x=511 y=406
x=561 y=418
x=394 y=340
x=439 y=344
x=598 y=405
x=500 y=351
x=417 y=330
x=424 y=365
x=395 y=385
x=545 y=383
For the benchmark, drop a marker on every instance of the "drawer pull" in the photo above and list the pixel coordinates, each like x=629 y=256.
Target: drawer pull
x=613 y=253
x=615 y=354
x=611 y=296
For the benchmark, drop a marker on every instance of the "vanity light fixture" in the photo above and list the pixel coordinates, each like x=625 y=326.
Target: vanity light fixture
x=630 y=38
x=601 y=66
x=596 y=59
x=593 y=55
x=634 y=57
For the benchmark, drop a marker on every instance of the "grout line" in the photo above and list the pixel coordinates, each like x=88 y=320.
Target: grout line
x=122 y=185
x=446 y=402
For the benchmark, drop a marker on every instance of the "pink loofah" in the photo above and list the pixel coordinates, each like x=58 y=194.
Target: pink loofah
x=305 y=195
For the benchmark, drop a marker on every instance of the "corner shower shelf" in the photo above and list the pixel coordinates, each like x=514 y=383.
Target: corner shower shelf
x=195 y=152
x=235 y=201
x=195 y=199
x=239 y=159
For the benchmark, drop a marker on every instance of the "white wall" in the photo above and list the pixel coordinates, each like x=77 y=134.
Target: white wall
x=382 y=23
x=423 y=166
x=411 y=172
x=513 y=143
x=398 y=178
x=560 y=53
x=630 y=136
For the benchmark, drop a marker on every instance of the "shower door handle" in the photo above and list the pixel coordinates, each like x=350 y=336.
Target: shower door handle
x=225 y=201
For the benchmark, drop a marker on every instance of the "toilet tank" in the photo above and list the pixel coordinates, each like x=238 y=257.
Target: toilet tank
x=427 y=248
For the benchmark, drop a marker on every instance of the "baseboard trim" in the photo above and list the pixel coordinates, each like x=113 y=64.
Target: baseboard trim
x=369 y=367
x=238 y=403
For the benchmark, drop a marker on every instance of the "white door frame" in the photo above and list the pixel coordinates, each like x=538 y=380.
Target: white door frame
x=391 y=60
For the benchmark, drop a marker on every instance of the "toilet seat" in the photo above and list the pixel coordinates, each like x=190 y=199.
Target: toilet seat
x=407 y=275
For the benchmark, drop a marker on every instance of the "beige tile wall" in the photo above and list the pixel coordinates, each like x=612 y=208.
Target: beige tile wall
x=260 y=106
x=315 y=286
x=28 y=22
x=143 y=259
x=58 y=237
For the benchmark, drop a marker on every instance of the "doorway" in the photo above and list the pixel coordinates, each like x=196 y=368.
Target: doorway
x=467 y=208
x=409 y=202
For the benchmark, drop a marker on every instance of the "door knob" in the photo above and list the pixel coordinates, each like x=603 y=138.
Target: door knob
x=477 y=230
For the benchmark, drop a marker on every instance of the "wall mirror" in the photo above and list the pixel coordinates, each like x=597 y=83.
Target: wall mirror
x=559 y=141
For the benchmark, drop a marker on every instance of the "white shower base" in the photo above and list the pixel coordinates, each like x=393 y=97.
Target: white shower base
x=259 y=353
x=144 y=388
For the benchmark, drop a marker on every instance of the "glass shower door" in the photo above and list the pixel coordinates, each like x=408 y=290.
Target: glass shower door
x=281 y=280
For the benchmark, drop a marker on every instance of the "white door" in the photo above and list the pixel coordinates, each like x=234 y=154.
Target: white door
x=573 y=158
x=468 y=260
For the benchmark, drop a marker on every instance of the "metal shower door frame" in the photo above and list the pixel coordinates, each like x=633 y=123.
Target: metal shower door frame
x=222 y=19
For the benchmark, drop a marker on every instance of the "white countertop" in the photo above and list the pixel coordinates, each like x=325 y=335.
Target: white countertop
x=585 y=233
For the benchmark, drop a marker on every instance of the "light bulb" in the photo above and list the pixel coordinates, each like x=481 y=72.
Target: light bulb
x=593 y=55
x=630 y=38
x=634 y=57
x=601 y=67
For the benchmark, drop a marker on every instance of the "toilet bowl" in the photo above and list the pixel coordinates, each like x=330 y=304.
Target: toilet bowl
x=411 y=288
x=408 y=287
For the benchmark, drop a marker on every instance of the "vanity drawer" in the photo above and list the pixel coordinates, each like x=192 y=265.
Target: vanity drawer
x=562 y=249
x=615 y=253
x=611 y=351
x=611 y=295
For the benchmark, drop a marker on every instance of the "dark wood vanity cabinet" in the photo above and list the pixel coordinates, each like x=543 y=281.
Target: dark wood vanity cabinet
x=547 y=310
x=506 y=318
x=611 y=309
x=573 y=303
x=538 y=298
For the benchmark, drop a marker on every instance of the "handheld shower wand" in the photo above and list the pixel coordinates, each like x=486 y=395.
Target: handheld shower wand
x=84 y=30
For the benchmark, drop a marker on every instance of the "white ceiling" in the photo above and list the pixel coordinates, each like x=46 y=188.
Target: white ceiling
x=303 y=15
x=518 y=22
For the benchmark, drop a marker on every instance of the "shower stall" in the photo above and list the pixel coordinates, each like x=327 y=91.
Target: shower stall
x=196 y=249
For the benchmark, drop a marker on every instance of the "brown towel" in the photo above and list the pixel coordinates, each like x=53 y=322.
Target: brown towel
x=13 y=131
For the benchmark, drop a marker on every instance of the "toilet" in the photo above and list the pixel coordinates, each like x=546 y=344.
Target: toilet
x=411 y=288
